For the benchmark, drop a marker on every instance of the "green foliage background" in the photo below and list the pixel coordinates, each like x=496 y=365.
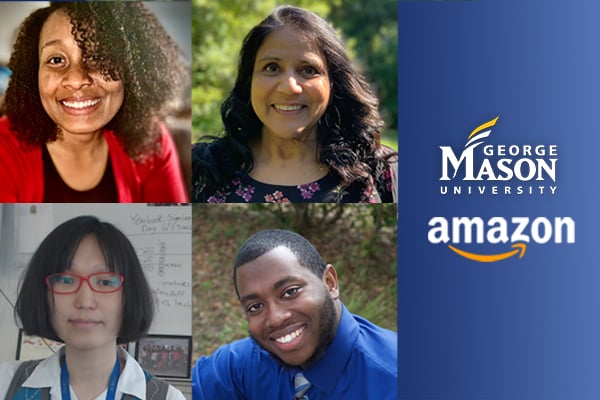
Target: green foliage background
x=369 y=29
x=358 y=239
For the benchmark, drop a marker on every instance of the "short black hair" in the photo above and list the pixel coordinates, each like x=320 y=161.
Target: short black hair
x=56 y=253
x=267 y=240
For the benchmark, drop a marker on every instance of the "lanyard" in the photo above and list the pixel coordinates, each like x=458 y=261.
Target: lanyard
x=112 y=383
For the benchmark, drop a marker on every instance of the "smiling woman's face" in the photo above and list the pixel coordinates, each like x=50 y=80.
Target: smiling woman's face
x=290 y=85
x=78 y=100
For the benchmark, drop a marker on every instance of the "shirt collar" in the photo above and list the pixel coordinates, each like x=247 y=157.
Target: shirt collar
x=133 y=379
x=326 y=372
x=47 y=374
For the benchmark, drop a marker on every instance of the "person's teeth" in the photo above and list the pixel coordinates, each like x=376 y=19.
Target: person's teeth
x=80 y=104
x=290 y=336
x=284 y=107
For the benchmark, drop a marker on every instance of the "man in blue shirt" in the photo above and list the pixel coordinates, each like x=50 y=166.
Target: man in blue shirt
x=297 y=324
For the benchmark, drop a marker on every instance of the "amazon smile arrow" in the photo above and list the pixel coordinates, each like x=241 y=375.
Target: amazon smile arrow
x=519 y=248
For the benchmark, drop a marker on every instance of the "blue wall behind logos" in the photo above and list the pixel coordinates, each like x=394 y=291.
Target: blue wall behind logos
x=518 y=328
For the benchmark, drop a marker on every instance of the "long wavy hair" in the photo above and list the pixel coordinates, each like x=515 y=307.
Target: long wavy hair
x=123 y=41
x=347 y=133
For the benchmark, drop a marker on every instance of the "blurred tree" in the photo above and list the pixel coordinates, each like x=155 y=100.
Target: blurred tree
x=305 y=217
x=218 y=28
x=371 y=28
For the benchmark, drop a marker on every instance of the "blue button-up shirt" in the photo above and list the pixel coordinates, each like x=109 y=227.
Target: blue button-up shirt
x=361 y=363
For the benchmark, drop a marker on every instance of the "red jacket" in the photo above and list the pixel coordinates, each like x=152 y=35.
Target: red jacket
x=157 y=180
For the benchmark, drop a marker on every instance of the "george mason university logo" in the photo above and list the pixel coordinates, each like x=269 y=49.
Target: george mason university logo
x=482 y=169
x=498 y=169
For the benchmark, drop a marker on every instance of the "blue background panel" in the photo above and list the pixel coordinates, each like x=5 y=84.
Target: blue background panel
x=517 y=328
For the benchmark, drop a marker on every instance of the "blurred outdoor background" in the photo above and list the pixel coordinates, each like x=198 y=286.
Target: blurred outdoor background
x=368 y=28
x=359 y=240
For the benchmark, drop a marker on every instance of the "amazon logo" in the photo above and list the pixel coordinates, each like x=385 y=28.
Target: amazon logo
x=512 y=236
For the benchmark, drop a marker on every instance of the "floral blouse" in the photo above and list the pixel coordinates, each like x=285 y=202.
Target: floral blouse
x=325 y=190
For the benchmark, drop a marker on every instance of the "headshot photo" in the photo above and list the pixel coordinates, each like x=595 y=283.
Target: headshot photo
x=96 y=107
x=86 y=289
x=300 y=119
x=284 y=315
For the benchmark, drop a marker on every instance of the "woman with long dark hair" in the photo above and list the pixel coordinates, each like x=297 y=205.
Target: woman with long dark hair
x=301 y=125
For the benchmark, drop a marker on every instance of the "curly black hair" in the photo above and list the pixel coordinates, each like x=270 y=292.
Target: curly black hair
x=348 y=133
x=123 y=41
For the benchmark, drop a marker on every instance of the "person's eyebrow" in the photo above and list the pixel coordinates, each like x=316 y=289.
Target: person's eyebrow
x=268 y=58
x=283 y=281
x=276 y=286
x=50 y=43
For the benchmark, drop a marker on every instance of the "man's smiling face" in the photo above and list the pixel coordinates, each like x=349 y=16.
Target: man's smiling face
x=290 y=311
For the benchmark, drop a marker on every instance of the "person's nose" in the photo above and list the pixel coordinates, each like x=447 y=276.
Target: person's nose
x=290 y=84
x=77 y=76
x=85 y=297
x=277 y=315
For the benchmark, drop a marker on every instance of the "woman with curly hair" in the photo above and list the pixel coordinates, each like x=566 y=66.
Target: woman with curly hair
x=90 y=83
x=301 y=125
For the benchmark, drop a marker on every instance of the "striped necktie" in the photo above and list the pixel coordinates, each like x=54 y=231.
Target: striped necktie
x=301 y=386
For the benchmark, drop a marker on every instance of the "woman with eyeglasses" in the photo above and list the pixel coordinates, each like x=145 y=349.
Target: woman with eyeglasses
x=84 y=286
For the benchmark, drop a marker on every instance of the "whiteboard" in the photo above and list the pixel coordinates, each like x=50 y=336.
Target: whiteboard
x=161 y=235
